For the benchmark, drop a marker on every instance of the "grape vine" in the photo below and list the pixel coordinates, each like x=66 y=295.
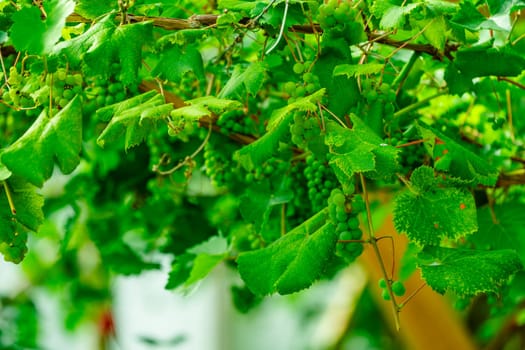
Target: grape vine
x=273 y=137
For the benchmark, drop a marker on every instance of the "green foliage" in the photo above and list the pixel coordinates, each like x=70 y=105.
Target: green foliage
x=263 y=136
x=291 y=263
x=20 y=213
x=437 y=212
x=29 y=33
x=50 y=139
x=197 y=264
x=459 y=270
x=134 y=118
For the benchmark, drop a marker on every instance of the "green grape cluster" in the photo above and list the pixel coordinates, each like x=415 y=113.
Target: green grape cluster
x=377 y=106
x=236 y=121
x=411 y=155
x=104 y=91
x=303 y=129
x=398 y=288
x=267 y=169
x=296 y=210
x=65 y=86
x=309 y=84
x=218 y=163
x=22 y=92
x=160 y=149
x=320 y=181
x=336 y=18
x=343 y=210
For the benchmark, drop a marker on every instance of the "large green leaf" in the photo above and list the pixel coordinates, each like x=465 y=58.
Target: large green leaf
x=49 y=140
x=278 y=128
x=204 y=106
x=467 y=272
x=429 y=212
x=36 y=36
x=353 y=70
x=251 y=78
x=359 y=149
x=197 y=263
x=259 y=200
x=135 y=118
x=480 y=61
x=456 y=159
x=468 y=17
x=291 y=263
x=175 y=62
x=502 y=227
x=23 y=199
x=104 y=43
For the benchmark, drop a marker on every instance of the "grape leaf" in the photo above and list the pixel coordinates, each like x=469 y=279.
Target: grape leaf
x=480 y=61
x=104 y=43
x=36 y=36
x=238 y=5
x=394 y=16
x=96 y=38
x=456 y=159
x=468 y=17
x=291 y=263
x=342 y=92
x=502 y=227
x=258 y=201
x=92 y=9
x=15 y=227
x=251 y=78
x=467 y=272
x=278 y=128
x=430 y=212
x=435 y=32
x=358 y=160
x=176 y=62
x=353 y=70
x=135 y=118
x=197 y=263
x=359 y=150
x=204 y=106
x=49 y=139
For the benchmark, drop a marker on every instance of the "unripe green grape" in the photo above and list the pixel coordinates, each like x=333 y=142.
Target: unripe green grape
x=61 y=74
x=339 y=199
x=289 y=87
x=345 y=236
x=109 y=100
x=382 y=283
x=385 y=294
x=298 y=68
x=398 y=288
x=115 y=88
x=342 y=226
x=68 y=94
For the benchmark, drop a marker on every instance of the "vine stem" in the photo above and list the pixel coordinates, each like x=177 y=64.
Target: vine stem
x=414 y=293
x=418 y=104
x=187 y=159
x=373 y=241
x=9 y=198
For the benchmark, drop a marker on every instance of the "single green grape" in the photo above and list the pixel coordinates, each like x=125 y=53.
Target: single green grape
x=398 y=288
